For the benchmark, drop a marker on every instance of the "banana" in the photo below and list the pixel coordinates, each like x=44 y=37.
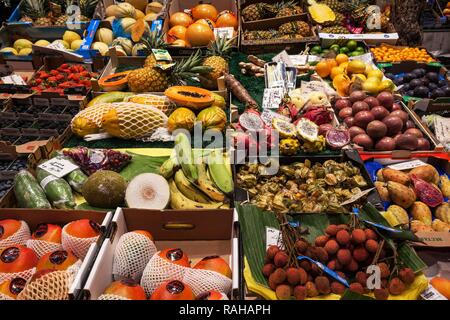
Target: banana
x=169 y=166
x=188 y=189
x=179 y=201
x=185 y=156
x=219 y=172
x=227 y=162
x=206 y=185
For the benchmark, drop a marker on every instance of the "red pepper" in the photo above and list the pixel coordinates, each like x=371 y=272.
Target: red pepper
x=38 y=81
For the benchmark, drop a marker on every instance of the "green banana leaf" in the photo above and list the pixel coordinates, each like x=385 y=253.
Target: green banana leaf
x=141 y=164
x=350 y=295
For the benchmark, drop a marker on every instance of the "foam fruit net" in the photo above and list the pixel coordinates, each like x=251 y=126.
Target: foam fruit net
x=27 y=274
x=20 y=237
x=78 y=246
x=160 y=102
x=42 y=247
x=132 y=254
x=51 y=286
x=111 y=297
x=159 y=270
x=90 y=118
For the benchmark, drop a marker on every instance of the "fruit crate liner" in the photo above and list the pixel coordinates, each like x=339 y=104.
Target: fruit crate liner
x=241 y=195
x=20 y=237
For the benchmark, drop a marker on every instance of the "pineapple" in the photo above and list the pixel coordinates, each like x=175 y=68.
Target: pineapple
x=287 y=9
x=258 y=11
x=218 y=53
x=335 y=30
x=340 y=19
x=87 y=8
x=154 y=40
x=299 y=27
x=35 y=9
x=153 y=79
x=335 y=5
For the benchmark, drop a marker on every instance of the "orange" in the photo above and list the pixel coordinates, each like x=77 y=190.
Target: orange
x=331 y=63
x=341 y=58
x=323 y=69
x=344 y=65
x=335 y=71
x=341 y=83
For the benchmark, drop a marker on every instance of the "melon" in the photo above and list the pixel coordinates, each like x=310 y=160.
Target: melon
x=154 y=6
x=105 y=35
x=125 y=43
x=42 y=43
x=138 y=4
x=9 y=49
x=25 y=51
x=127 y=24
x=121 y=10
x=101 y=47
x=22 y=43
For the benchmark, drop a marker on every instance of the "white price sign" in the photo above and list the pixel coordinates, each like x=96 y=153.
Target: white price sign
x=58 y=167
x=273 y=237
x=227 y=32
x=407 y=165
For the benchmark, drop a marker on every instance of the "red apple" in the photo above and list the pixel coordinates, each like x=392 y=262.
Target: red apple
x=17 y=259
x=47 y=232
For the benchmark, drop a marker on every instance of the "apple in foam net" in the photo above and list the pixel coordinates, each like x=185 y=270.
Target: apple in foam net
x=83 y=228
x=56 y=260
x=210 y=295
x=8 y=227
x=126 y=288
x=17 y=259
x=47 y=232
x=214 y=263
x=145 y=233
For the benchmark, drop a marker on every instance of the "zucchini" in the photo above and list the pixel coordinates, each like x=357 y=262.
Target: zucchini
x=76 y=178
x=58 y=191
x=29 y=193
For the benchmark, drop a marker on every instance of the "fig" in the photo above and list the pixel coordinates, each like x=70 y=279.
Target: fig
x=415 y=132
x=379 y=112
x=354 y=131
x=376 y=129
x=394 y=124
x=363 y=140
x=386 y=99
x=407 y=142
x=385 y=144
x=342 y=103
x=345 y=112
x=360 y=106
x=363 y=118
x=372 y=102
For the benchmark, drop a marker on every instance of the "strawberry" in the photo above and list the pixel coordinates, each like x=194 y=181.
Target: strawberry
x=44 y=75
x=59 y=77
x=85 y=74
x=52 y=79
x=64 y=66
x=54 y=72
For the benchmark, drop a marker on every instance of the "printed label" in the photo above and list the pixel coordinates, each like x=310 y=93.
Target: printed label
x=273 y=237
x=407 y=165
x=442 y=128
x=272 y=98
x=47 y=180
x=284 y=57
x=13 y=79
x=162 y=55
x=430 y=293
x=227 y=32
x=58 y=167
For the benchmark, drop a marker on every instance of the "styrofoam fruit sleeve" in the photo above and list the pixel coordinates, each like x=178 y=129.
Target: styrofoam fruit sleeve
x=78 y=246
x=42 y=247
x=26 y=274
x=111 y=297
x=133 y=252
x=158 y=271
x=5 y=297
x=51 y=286
x=73 y=269
x=205 y=280
x=19 y=237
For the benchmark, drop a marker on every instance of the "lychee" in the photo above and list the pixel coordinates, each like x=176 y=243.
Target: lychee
x=371 y=246
x=358 y=236
x=303 y=275
x=322 y=284
x=344 y=256
x=315 y=270
x=343 y=237
x=342 y=275
x=301 y=246
x=396 y=286
x=334 y=265
x=300 y=293
x=337 y=287
x=352 y=266
x=311 y=290
x=331 y=246
x=331 y=230
x=322 y=254
x=381 y=294
x=268 y=269
x=321 y=240
x=311 y=253
x=370 y=234
x=283 y=292
x=280 y=259
x=360 y=254
x=306 y=265
x=343 y=226
x=278 y=276
x=361 y=277
x=356 y=287
x=384 y=270
x=271 y=252
x=407 y=275
x=293 y=276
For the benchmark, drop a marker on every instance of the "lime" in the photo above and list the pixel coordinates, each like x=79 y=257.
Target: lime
x=326 y=51
x=354 y=54
x=351 y=45
x=335 y=48
x=317 y=48
x=344 y=50
x=360 y=48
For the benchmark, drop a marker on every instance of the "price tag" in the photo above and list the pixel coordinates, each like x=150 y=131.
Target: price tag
x=407 y=165
x=268 y=115
x=312 y=86
x=162 y=55
x=430 y=293
x=299 y=59
x=58 y=167
x=442 y=128
x=273 y=237
x=272 y=98
x=56 y=45
x=356 y=197
x=227 y=32
x=283 y=57
x=13 y=79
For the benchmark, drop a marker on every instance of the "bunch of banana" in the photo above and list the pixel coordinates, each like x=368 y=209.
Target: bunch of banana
x=197 y=185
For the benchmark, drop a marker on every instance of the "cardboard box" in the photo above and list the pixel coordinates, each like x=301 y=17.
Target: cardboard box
x=199 y=233
x=439 y=160
x=33 y=217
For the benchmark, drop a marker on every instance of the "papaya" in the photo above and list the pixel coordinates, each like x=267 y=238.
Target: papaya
x=114 y=82
x=191 y=97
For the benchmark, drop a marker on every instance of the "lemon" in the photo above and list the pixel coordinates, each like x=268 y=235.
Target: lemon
x=371 y=85
x=375 y=73
x=386 y=85
x=356 y=66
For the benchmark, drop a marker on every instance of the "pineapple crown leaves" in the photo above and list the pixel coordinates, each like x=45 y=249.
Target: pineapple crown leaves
x=34 y=8
x=221 y=47
x=190 y=68
x=153 y=40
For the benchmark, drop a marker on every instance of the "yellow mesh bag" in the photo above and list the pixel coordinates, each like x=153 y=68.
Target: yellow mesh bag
x=89 y=120
x=129 y=120
x=160 y=102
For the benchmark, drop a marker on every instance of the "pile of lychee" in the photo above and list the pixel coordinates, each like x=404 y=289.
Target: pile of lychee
x=26 y=258
x=345 y=251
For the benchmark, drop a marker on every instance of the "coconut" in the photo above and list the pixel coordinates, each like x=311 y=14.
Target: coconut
x=148 y=191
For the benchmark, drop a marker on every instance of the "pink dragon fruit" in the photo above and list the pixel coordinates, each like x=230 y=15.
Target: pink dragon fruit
x=428 y=194
x=318 y=115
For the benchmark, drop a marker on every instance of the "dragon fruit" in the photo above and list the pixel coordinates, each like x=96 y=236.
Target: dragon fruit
x=428 y=193
x=318 y=115
x=251 y=120
x=287 y=108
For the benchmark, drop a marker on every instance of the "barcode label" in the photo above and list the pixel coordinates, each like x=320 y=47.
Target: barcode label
x=431 y=293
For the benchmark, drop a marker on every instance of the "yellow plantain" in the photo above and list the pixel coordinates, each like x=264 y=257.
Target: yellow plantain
x=179 y=201
x=207 y=186
x=188 y=189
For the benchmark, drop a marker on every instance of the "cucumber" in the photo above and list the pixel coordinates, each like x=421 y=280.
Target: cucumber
x=76 y=178
x=58 y=191
x=29 y=193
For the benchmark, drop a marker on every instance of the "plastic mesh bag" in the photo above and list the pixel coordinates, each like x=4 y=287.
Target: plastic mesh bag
x=20 y=237
x=133 y=252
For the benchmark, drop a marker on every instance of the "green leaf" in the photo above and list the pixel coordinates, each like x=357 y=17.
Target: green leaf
x=350 y=295
x=410 y=258
x=141 y=164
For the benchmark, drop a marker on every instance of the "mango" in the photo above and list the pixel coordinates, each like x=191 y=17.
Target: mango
x=396 y=176
x=420 y=211
x=427 y=173
x=400 y=194
x=442 y=285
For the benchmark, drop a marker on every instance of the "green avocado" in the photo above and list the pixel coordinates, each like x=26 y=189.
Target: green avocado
x=105 y=189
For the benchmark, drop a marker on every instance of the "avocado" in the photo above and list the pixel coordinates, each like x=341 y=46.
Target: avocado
x=105 y=189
